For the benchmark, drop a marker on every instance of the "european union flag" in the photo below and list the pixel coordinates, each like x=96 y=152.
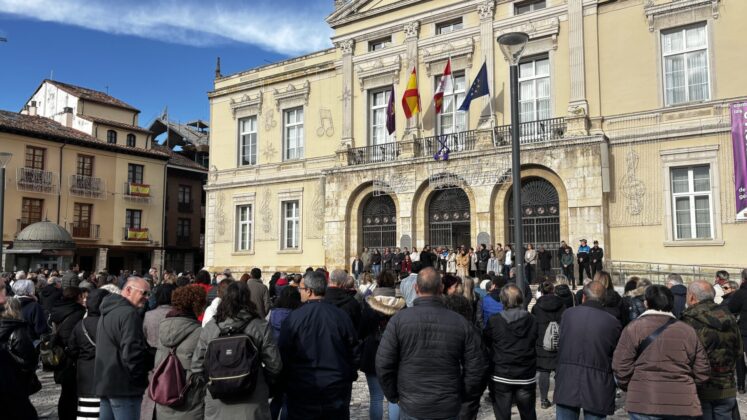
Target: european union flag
x=479 y=88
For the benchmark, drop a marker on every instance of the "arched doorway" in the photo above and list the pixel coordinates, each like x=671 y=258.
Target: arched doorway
x=540 y=207
x=379 y=222
x=449 y=218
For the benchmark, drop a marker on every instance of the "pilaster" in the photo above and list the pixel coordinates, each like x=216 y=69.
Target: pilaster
x=486 y=10
x=101 y=259
x=157 y=260
x=346 y=47
x=578 y=107
x=411 y=45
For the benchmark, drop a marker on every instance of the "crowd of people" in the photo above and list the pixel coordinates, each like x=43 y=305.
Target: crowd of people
x=428 y=340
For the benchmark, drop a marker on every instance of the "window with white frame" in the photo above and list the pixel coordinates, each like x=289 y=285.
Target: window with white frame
x=691 y=199
x=379 y=44
x=291 y=224
x=248 y=141
x=449 y=26
x=534 y=89
x=451 y=120
x=378 y=103
x=685 y=61
x=293 y=132
x=244 y=222
x=529 y=6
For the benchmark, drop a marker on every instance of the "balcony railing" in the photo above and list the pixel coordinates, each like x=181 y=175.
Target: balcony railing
x=448 y=143
x=184 y=207
x=83 y=230
x=138 y=192
x=533 y=131
x=36 y=180
x=136 y=234
x=372 y=154
x=87 y=186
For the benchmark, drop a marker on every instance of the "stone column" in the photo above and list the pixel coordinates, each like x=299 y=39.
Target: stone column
x=101 y=259
x=487 y=51
x=411 y=44
x=156 y=260
x=346 y=47
x=578 y=107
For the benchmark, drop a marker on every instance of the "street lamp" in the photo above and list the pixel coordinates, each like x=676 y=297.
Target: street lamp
x=512 y=45
x=4 y=159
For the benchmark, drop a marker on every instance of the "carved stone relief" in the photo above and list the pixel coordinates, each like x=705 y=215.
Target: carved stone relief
x=486 y=9
x=346 y=47
x=269 y=119
x=292 y=95
x=269 y=152
x=325 y=123
x=633 y=189
x=411 y=29
x=220 y=216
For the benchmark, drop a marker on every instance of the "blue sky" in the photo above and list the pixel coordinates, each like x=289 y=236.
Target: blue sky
x=150 y=54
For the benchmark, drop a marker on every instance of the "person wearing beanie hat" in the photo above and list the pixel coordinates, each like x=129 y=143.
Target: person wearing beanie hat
x=32 y=311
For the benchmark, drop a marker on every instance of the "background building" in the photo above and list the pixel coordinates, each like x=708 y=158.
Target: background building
x=625 y=135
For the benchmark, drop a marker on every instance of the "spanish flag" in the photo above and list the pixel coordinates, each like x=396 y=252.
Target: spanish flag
x=411 y=98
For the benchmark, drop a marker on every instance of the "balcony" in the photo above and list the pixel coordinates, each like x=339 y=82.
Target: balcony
x=80 y=230
x=386 y=152
x=462 y=141
x=134 y=191
x=136 y=234
x=87 y=186
x=36 y=180
x=532 y=132
x=184 y=207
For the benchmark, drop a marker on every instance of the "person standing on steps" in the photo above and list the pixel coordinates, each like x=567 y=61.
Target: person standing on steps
x=583 y=261
x=595 y=256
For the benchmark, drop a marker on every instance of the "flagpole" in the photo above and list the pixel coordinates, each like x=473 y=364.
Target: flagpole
x=490 y=104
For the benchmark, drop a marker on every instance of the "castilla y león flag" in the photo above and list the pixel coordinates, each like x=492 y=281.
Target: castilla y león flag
x=444 y=86
x=411 y=98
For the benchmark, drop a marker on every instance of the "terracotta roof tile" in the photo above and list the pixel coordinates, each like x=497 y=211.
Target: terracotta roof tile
x=114 y=123
x=177 y=159
x=92 y=95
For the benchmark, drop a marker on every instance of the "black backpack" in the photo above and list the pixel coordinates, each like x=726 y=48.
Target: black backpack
x=232 y=364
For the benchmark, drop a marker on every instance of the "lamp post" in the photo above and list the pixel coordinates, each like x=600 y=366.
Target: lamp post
x=4 y=159
x=512 y=45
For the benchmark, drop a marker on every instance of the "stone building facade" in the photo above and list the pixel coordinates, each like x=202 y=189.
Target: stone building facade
x=625 y=135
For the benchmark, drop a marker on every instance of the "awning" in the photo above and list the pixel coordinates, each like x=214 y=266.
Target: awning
x=23 y=251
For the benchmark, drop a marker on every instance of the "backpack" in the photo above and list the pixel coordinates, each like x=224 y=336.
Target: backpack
x=552 y=335
x=169 y=384
x=232 y=363
x=51 y=352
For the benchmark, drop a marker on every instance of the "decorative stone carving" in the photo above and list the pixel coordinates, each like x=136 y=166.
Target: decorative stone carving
x=460 y=52
x=317 y=213
x=537 y=30
x=633 y=189
x=411 y=29
x=265 y=213
x=220 y=215
x=292 y=96
x=486 y=9
x=346 y=46
x=680 y=12
x=325 y=123
x=379 y=72
x=213 y=173
x=578 y=109
x=269 y=152
x=248 y=104
x=269 y=119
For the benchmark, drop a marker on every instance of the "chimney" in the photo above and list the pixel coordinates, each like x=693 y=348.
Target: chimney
x=32 y=109
x=68 y=111
x=25 y=110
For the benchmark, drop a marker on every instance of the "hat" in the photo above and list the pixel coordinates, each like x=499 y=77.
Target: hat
x=281 y=282
x=582 y=240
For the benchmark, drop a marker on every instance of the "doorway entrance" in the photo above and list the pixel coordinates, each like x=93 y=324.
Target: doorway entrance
x=540 y=207
x=449 y=219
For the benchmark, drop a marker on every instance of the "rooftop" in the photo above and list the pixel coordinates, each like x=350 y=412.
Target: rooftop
x=114 y=123
x=91 y=95
x=177 y=159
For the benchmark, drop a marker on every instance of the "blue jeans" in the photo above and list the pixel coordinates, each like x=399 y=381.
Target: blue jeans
x=563 y=412
x=718 y=409
x=376 y=399
x=376 y=269
x=120 y=408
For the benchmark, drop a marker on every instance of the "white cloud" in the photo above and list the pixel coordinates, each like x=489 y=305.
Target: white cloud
x=282 y=27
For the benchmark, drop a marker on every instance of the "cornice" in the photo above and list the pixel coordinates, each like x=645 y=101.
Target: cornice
x=655 y=11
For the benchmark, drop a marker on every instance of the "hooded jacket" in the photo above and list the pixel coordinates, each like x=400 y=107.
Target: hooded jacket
x=342 y=299
x=566 y=295
x=18 y=358
x=511 y=337
x=49 y=295
x=122 y=359
x=633 y=301
x=614 y=305
x=680 y=293
x=378 y=309
x=82 y=349
x=717 y=329
x=34 y=314
x=65 y=315
x=548 y=308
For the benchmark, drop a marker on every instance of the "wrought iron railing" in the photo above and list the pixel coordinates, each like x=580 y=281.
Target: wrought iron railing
x=36 y=180
x=87 y=186
x=533 y=131
x=136 y=234
x=447 y=143
x=83 y=230
x=372 y=154
x=138 y=192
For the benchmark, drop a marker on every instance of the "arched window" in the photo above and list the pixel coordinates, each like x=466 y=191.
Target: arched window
x=130 y=140
x=449 y=218
x=540 y=208
x=379 y=222
x=111 y=137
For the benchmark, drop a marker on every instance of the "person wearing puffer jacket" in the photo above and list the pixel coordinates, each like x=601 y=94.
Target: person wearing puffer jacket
x=634 y=299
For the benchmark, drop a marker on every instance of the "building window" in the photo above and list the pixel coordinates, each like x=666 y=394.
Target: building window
x=293 y=133
x=379 y=44
x=248 y=141
x=449 y=26
x=130 y=140
x=31 y=211
x=35 y=157
x=378 y=101
x=291 y=224
x=534 y=89
x=82 y=220
x=133 y=218
x=85 y=165
x=529 y=6
x=685 y=59
x=183 y=229
x=184 y=198
x=111 y=137
x=451 y=120
x=135 y=173
x=691 y=199
x=244 y=228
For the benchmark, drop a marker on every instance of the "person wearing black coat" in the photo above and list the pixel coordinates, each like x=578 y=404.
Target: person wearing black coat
x=337 y=295
x=588 y=336
x=50 y=294
x=35 y=315
x=64 y=316
x=429 y=358
x=549 y=308
x=511 y=337
x=566 y=295
x=82 y=349
x=483 y=255
x=738 y=307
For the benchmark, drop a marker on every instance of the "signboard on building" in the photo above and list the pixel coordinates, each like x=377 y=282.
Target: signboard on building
x=739 y=146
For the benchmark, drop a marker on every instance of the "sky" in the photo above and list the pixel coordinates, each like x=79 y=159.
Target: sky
x=150 y=54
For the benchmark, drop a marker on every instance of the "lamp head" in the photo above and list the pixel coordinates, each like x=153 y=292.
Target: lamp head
x=512 y=45
x=5 y=158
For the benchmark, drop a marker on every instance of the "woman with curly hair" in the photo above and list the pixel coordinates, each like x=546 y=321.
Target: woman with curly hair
x=180 y=330
x=237 y=311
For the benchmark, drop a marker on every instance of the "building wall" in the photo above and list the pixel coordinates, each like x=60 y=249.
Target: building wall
x=120 y=115
x=100 y=131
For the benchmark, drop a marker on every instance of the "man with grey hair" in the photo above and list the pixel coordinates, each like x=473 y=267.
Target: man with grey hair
x=339 y=296
x=584 y=378
x=674 y=283
x=317 y=343
x=718 y=331
x=432 y=345
x=32 y=311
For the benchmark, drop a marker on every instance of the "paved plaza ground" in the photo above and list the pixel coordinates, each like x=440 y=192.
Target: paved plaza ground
x=45 y=402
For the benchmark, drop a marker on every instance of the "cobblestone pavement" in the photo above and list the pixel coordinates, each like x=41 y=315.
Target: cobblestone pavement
x=45 y=402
